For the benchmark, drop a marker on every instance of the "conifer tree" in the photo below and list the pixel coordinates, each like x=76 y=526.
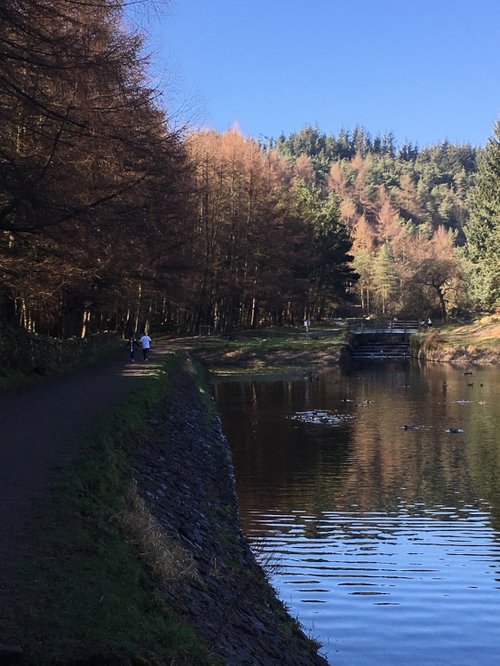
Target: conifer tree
x=483 y=229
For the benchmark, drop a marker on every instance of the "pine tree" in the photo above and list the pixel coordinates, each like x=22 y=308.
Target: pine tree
x=483 y=229
x=334 y=273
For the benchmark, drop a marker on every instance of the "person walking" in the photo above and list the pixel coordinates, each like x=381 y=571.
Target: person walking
x=132 y=344
x=146 y=345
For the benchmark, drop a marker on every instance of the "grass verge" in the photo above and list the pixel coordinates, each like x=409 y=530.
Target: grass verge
x=87 y=588
x=479 y=340
x=483 y=333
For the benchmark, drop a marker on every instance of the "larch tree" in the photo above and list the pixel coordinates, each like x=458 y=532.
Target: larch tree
x=434 y=265
x=84 y=152
x=384 y=279
x=240 y=234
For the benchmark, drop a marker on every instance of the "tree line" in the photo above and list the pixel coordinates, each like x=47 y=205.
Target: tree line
x=91 y=172
x=112 y=218
x=424 y=222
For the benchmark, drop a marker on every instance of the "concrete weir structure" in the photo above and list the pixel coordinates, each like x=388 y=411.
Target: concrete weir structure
x=376 y=340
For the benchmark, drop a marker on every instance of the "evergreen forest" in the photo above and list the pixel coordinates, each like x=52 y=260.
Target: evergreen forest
x=112 y=217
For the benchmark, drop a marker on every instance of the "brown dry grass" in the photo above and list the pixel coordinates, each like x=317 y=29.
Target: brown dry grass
x=484 y=332
x=168 y=561
x=478 y=342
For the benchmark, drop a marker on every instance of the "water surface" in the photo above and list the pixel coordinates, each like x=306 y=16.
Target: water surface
x=383 y=541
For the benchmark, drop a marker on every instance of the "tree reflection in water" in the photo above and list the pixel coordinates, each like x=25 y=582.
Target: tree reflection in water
x=364 y=516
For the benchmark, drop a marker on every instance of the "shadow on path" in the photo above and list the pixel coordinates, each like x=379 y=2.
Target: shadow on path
x=39 y=431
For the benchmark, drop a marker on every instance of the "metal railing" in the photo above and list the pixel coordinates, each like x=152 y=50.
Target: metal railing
x=383 y=325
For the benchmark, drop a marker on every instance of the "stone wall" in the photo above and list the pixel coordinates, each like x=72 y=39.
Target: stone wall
x=184 y=472
x=29 y=353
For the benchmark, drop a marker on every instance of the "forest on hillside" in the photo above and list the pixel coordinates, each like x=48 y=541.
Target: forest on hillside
x=113 y=218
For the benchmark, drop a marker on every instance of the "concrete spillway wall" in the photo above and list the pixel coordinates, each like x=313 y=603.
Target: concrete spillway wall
x=367 y=346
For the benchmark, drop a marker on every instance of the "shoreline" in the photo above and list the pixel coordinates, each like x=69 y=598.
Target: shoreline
x=138 y=555
x=184 y=470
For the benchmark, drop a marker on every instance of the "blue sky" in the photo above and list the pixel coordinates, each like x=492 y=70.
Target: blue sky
x=427 y=70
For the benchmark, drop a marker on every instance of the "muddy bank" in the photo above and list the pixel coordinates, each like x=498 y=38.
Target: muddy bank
x=256 y=360
x=183 y=470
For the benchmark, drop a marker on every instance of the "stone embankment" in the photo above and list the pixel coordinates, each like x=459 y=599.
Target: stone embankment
x=183 y=470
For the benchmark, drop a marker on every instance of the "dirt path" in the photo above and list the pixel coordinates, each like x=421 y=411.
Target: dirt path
x=39 y=428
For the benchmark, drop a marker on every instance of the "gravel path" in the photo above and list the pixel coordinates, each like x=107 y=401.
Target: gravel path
x=39 y=428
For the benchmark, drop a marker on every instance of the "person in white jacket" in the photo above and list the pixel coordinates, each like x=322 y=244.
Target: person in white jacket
x=146 y=345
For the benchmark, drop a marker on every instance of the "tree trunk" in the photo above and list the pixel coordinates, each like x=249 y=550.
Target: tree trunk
x=442 y=302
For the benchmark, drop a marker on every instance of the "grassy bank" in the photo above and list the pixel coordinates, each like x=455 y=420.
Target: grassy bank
x=88 y=587
x=271 y=351
x=476 y=342
x=291 y=351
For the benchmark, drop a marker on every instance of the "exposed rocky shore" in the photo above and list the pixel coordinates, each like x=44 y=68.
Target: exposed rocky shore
x=183 y=470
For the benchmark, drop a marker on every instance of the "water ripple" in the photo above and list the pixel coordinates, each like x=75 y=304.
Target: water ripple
x=429 y=567
x=385 y=543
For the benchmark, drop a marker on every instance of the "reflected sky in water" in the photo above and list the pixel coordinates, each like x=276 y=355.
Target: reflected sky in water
x=379 y=526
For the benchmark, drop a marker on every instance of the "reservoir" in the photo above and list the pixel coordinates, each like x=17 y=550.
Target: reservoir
x=372 y=498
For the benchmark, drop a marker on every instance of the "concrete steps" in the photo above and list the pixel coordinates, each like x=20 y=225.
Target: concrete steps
x=374 y=350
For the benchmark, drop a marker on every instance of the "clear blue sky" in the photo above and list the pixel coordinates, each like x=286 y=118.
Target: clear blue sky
x=427 y=70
